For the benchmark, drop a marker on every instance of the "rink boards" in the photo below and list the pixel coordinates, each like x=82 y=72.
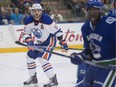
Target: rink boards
x=71 y=31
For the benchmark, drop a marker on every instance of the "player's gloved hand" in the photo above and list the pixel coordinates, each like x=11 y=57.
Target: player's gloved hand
x=86 y=54
x=76 y=58
x=30 y=43
x=64 y=45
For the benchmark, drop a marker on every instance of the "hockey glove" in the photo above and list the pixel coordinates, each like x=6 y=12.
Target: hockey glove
x=75 y=58
x=86 y=54
x=30 y=43
x=64 y=45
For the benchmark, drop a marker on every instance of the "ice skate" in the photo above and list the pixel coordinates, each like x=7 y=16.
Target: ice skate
x=31 y=82
x=53 y=82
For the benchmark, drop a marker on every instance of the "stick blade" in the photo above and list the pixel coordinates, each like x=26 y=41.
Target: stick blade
x=19 y=43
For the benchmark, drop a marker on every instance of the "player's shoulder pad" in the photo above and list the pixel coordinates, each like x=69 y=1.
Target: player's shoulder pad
x=110 y=20
x=29 y=20
x=112 y=13
x=46 y=19
x=85 y=26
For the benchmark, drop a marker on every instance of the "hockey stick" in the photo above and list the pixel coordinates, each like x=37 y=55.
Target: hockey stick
x=66 y=56
x=19 y=43
x=84 y=61
x=13 y=36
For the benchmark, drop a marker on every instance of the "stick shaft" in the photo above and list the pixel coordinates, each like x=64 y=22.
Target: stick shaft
x=84 y=61
x=19 y=43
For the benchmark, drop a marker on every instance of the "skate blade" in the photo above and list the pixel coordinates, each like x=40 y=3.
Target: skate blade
x=55 y=86
x=31 y=85
x=50 y=86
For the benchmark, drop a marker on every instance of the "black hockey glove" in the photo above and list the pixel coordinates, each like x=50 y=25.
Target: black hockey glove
x=76 y=58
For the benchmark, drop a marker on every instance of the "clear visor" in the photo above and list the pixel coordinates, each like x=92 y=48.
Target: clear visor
x=36 y=13
x=36 y=10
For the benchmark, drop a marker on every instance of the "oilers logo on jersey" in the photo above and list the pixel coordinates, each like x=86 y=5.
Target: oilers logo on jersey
x=37 y=32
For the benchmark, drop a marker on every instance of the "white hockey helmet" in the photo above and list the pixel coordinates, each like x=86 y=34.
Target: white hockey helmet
x=36 y=6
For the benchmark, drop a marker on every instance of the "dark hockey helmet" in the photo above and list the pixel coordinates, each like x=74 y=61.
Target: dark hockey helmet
x=94 y=10
x=95 y=4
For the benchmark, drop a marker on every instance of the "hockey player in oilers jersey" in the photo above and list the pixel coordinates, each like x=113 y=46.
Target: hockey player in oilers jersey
x=45 y=33
x=100 y=44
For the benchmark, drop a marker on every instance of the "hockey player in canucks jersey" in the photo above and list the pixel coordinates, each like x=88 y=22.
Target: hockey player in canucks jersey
x=45 y=32
x=99 y=47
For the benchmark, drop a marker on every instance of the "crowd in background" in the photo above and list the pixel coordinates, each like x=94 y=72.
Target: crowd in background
x=79 y=7
x=16 y=11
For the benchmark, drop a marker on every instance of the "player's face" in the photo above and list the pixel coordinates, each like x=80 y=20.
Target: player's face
x=37 y=13
x=93 y=14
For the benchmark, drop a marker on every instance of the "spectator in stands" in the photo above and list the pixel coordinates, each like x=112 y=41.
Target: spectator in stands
x=36 y=1
x=16 y=17
x=9 y=11
x=113 y=4
x=4 y=18
x=26 y=15
x=25 y=5
x=80 y=7
x=106 y=6
x=47 y=10
x=25 y=1
x=57 y=17
x=14 y=4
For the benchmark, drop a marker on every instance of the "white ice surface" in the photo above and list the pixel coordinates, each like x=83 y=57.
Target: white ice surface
x=13 y=71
